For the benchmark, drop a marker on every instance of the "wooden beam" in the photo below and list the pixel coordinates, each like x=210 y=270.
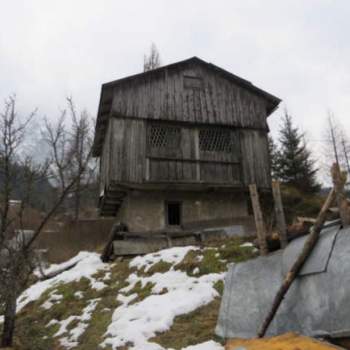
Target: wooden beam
x=281 y=221
x=259 y=221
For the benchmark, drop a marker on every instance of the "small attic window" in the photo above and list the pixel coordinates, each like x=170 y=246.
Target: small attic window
x=193 y=82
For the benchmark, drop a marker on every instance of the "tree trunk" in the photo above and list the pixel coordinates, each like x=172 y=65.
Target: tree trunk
x=77 y=200
x=9 y=319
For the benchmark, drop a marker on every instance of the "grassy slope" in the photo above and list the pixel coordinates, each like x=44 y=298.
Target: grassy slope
x=33 y=333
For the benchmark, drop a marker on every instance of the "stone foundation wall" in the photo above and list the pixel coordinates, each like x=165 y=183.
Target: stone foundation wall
x=145 y=210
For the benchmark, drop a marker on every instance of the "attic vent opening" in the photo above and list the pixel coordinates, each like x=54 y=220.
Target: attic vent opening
x=216 y=140
x=161 y=136
x=192 y=82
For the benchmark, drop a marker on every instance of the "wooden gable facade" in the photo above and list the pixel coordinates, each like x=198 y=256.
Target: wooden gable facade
x=190 y=126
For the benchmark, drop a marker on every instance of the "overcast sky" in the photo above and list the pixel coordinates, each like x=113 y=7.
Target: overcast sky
x=296 y=49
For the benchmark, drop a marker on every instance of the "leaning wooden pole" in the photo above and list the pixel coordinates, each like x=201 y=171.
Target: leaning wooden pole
x=259 y=220
x=298 y=264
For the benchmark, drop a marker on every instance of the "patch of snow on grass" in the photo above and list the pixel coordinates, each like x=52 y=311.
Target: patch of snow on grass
x=88 y=264
x=208 y=345
x=247 y=245
x=79 y=294
x=71 y=340
x=107 y=276
x=135 y=323
x=52 y=300
x=172 y=256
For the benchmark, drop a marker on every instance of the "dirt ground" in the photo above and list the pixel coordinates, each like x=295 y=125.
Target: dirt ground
x=288 y=341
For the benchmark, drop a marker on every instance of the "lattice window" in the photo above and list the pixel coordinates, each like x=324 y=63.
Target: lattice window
x=216 y=140
x=164 y=136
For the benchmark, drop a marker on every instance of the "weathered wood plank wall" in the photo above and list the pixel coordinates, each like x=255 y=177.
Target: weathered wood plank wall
x=163 y=96
x=130 y=160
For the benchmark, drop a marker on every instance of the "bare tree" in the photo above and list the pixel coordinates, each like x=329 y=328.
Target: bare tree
x=81 y=140
x=16 y=245
x=152 y=60
x=331 y=148
x=70 y=151
x=345 y=152
x=333 y=133
x=336 y=144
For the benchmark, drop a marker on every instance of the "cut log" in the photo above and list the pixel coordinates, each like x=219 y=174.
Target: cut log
x=298 y=264
x=303 y=219
x=46 y=276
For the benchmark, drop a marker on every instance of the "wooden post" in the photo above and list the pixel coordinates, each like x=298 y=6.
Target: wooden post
x=281 y=221
x=339 y=181
x=259 y=221
x=298 y=264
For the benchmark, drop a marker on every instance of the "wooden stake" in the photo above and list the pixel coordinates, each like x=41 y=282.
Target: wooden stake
x=339 y=181
x=298 y=264
x=281 y=221
x=259 y=222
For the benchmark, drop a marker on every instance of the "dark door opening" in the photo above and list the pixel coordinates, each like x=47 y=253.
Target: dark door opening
x=173 y=213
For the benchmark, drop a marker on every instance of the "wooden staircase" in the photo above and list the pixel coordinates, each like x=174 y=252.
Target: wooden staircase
x=111 y=202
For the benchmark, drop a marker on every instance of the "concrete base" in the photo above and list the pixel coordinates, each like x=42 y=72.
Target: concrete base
x=146 y=210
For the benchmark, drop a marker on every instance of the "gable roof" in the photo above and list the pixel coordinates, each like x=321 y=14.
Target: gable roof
x=107 y=92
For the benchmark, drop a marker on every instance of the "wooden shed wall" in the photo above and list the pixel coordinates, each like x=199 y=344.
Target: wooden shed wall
x=126 y=158
x=163 y=96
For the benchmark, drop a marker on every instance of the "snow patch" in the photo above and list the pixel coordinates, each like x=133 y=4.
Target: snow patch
x=138 y=322
x=71 y=339
x=208 y=345
x=172 y=256
x=53 y=299
x=247 y=245
x=88 y=265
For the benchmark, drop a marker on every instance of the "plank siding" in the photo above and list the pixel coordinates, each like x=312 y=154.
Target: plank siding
x=164 y=97
x=126 y=153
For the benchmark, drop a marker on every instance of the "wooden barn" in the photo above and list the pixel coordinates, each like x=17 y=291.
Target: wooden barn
x=179 y=145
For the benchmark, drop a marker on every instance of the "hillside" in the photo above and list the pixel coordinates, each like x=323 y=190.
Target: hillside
x=166 y=300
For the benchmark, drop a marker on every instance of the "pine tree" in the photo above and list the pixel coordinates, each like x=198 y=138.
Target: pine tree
x=294 y=165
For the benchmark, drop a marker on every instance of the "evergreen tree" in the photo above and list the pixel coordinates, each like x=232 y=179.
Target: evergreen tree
x=294 y=165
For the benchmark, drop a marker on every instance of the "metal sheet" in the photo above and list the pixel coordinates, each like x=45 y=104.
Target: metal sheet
x=318 y=260
x=317 y=304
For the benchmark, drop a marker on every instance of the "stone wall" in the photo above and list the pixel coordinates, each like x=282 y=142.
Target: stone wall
x=145 y=210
